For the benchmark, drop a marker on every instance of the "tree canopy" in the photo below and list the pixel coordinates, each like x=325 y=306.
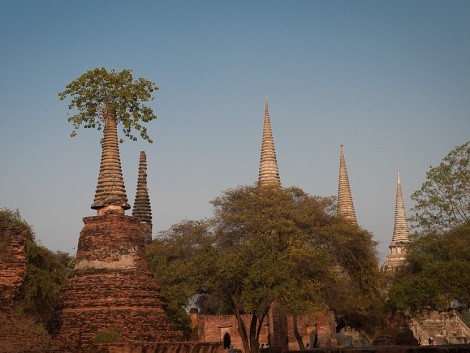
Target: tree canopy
x=436 y=275
x=99 y=94
x=443 y=202
x=266 y=245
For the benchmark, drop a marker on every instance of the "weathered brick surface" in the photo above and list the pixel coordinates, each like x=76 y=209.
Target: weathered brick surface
x=212 y=328
x=12 y=265
x=112 y=287
x=17 y=333
x=159 y=347
x=464 y=348
x=20 y=334
x=277 y=331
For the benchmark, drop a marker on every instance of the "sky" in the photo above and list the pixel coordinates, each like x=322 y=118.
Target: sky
x=390 y=80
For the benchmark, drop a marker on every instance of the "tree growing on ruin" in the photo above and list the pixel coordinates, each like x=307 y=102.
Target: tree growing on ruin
x=443 y=202
x=267 y=245
x=98 y=96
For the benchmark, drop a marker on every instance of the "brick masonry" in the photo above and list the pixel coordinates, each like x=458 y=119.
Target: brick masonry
x=12 y=265
x=111 y=287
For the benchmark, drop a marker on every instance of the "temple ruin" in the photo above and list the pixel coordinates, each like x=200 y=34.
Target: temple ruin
x=111 y=290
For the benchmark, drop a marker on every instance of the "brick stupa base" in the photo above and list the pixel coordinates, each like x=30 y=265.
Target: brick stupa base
x=111 y=288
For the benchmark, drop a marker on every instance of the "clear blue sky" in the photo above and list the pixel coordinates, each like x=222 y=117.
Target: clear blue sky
x=388 y=79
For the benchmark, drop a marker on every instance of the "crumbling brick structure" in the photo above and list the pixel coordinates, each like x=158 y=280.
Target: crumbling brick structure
x=111 y=294
x=111 y=287
x=12 y=265
x=17 y=333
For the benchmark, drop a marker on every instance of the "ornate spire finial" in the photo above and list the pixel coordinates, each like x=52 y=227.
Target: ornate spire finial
x=401 y=232
x=345 y=201
x=142 y=201
x=110 y=195
x=268 y=171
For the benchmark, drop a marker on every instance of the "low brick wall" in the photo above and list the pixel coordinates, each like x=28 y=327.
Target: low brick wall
x=148 y=347
x=461 y=348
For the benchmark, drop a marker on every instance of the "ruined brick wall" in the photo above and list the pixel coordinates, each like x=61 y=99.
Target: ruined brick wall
x=278 y=330
x=326 y=330
x=305 y=329
x=12 y=265
x=148 y=347
x=212 y=328
x=111 y=287
x=323 y=327
x=17 y=333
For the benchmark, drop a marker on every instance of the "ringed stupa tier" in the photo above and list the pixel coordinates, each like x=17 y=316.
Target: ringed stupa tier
x=401 y=234
x=142 y=207
x=268 y=170
x=345 y=201
x=110 y=192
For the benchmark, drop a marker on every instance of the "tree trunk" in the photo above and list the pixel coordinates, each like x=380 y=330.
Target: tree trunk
x=242 y=331
x=297 y=335
x=250 y=339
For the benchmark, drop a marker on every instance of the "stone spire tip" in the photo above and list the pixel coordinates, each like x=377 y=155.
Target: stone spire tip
x=345 y=202
x=268 y=170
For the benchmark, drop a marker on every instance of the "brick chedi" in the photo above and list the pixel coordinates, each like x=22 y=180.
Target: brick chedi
x=345 y=201
x=268 y=170
x=111 y=288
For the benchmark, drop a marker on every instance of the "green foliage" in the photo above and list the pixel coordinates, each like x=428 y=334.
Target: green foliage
x=99 y=94
x=44 y=277
x=13 y=220
x=169 y=257
x=437 y=274
x=354 y=295
x=443 y=202
x=109 y=336
x=66 y=260
x=266 y=245
x=44 y=273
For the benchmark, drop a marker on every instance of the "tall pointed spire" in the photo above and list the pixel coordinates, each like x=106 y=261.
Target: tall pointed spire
x=110 y=192
x=345 y=202
x=142 y=201
x=401 y=234
x=268 y=171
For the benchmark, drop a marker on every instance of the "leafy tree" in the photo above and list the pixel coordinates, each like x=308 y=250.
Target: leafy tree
x=443 y=202
x=264 y=246
x=98 y=95
x=436 y=275
x=355 y=296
